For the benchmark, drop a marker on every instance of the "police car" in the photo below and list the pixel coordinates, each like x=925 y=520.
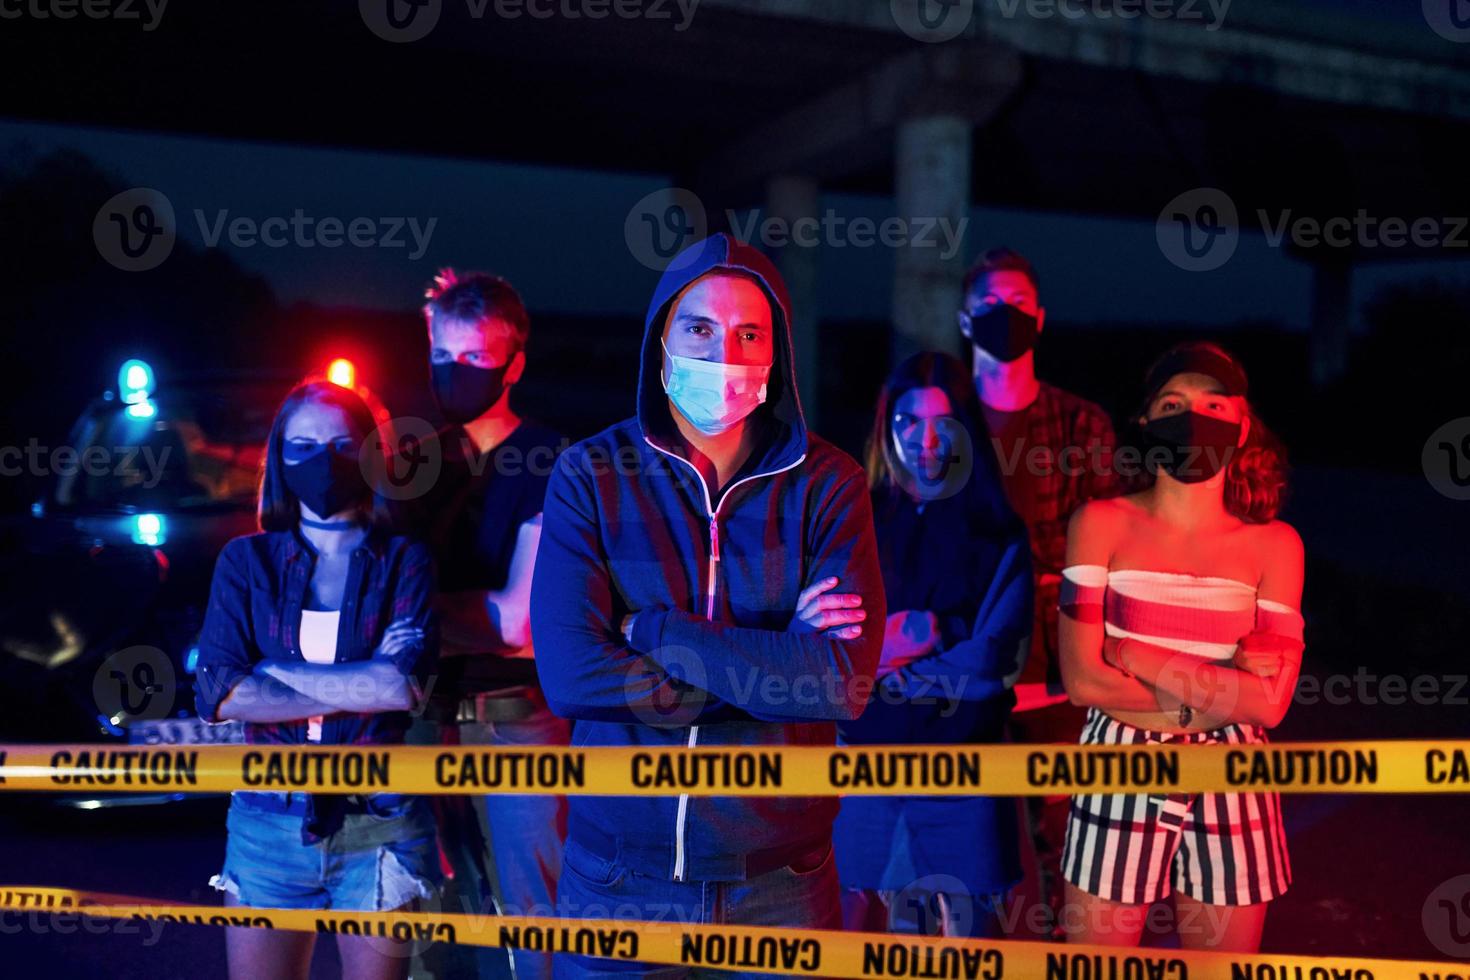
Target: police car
x=106 y=580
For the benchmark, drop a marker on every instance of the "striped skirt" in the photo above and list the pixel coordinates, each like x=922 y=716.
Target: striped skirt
x=1217 y=848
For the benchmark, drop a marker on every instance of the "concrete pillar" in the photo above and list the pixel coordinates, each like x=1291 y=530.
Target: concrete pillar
x=1332 y=318
x=789 y=197
x=932 y=162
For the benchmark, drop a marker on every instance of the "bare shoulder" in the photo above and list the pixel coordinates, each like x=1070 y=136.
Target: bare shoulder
x=1105 y=518
x=1107 y=511
x=1277 y=538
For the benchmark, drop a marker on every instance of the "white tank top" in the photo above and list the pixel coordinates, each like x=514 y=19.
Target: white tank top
x=318 y=646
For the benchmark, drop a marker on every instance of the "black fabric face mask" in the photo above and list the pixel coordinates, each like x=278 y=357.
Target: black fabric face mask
x=1003 y=332
x=465 y=392
x=328 y=480
x=1189 y=446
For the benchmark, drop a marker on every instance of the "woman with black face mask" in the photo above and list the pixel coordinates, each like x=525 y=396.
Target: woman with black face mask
x=318 y=632
x=1180 y=625
x=957 y=573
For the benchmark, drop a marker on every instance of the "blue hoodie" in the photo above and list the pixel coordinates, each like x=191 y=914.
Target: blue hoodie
x=717 y=656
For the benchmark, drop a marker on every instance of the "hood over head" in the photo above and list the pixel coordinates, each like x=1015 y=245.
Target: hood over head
x=782 y=408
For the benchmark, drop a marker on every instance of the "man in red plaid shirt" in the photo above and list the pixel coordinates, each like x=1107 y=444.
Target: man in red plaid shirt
x=1056 y=453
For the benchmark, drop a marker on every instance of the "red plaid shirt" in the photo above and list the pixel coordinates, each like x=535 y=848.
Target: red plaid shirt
x=1059 y=456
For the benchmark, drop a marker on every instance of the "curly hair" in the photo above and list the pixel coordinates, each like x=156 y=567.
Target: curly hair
x=1255 y=477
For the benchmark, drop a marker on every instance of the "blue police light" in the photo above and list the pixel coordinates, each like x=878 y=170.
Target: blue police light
x=149 y=529
x=144 y=409
x=134 y=381
x=191 y=659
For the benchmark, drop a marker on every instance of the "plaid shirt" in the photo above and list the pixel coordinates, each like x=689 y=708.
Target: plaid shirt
x=1066 y=448
x=260 y=586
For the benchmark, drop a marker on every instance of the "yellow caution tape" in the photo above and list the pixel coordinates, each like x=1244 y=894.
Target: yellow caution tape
x=743 y=949
x=891 y=770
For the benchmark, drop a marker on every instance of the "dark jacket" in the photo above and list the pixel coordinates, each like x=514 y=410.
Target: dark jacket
x=630 y=527
x=966 y=559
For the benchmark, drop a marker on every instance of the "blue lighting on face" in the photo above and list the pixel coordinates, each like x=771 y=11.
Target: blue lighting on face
x=149 y=529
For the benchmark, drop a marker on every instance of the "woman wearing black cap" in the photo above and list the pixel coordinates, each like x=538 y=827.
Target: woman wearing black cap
x=1180 y=625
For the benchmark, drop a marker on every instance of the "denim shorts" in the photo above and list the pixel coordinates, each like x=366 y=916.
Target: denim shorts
x=385 y=856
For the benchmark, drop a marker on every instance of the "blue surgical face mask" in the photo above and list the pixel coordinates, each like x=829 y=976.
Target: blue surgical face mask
x=714 y=397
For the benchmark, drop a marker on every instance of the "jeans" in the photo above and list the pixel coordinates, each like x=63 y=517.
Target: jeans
x=383 y=858
x=922 y=912
x=593 y=887
x=505 y=851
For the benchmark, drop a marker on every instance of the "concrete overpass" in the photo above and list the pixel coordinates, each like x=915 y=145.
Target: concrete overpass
x=768 y=102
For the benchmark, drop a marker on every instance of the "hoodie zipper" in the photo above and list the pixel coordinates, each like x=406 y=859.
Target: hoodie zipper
x=713 y=513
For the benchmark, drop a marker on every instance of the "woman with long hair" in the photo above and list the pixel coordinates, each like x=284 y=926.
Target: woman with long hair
x=957 y=573
x=318 y=631
x=1180 y=625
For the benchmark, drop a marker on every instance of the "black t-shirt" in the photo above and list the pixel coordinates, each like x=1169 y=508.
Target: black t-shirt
x=471 y=519
x=473 y=515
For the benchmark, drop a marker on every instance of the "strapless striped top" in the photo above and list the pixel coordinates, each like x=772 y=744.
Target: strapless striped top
x=1196 y=614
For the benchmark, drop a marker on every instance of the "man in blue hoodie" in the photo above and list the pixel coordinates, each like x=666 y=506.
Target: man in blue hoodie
x=684 y=596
